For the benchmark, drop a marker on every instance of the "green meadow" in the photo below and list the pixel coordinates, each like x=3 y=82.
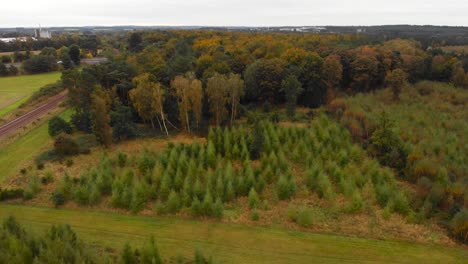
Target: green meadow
x=16 y=90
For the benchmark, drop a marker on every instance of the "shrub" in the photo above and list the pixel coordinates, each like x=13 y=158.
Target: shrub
x=32 y=189
x=255 y=216
x=196 y=208
x=285 y=188
x=146 y=162
x=47 y=178
x=7 y=194
x=173 y=203
x=69 y=162
x=304 y=217
x=58 y=198
x=127 y=255
x=357 y=203
x=40 y=165
x=159 y=207
x=387 y=146
x=400 y=204
x=138 y=200
x=85 y=142
x=383 y=193
x=218 y=208
x=150 y=253
x=459 y=225
x=207 y=205
x=254 y=201
x=57 y=125
x=121 y=159
x=65 y=146
x=324 y=187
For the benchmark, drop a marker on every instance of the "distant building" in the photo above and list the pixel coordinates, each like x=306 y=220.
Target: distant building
x=7 y=40
x=20 y=39
x=41 y=33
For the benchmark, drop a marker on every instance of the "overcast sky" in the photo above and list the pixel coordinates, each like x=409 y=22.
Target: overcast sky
x=30 y=13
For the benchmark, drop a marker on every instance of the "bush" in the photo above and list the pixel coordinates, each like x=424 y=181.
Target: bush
x=285 y=188
x=459 y=225
x=86 y=142
x=207 y=205
x=254 y=201
x=7 y=194
x=383 y=193
x=58 y=198
x=121 y=159
x=65 y=146
x=400 y=204
x=357 y=203
x=196 y=208
x=69 y=162
x=57 y=125
x=218 y=208
x=47 y=178
x=40 y=165
x=138 y=199
x=255 y=216
x=387 y=146
x=32 y=189
x=173 y=203
x=304 y=217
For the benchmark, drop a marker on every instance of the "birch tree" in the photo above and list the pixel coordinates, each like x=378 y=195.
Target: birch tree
x=217 y=92
x=190 y=93
x=148 y=100
x=235 y=90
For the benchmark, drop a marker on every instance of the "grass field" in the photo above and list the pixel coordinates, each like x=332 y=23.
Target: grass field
x=16 y=90
x=24 y=149
x=230 y=243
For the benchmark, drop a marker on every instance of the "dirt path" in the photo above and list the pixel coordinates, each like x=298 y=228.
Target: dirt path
x=11 y=126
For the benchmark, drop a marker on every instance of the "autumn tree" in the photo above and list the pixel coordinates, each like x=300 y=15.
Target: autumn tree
x=196 y=98
x=459 y=77
x=396 y=79
x=263 y=80
x=332 y=73
x=189 y=91
x=217 y=92
x=365 y=68
x=101 y=120
x=292 y=88
x=148 y=99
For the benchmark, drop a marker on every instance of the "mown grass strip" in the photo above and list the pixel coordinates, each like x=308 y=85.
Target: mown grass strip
x=25 y=148
x=229 y=243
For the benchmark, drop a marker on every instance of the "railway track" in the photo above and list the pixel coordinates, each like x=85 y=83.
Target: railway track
x=15 y=124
